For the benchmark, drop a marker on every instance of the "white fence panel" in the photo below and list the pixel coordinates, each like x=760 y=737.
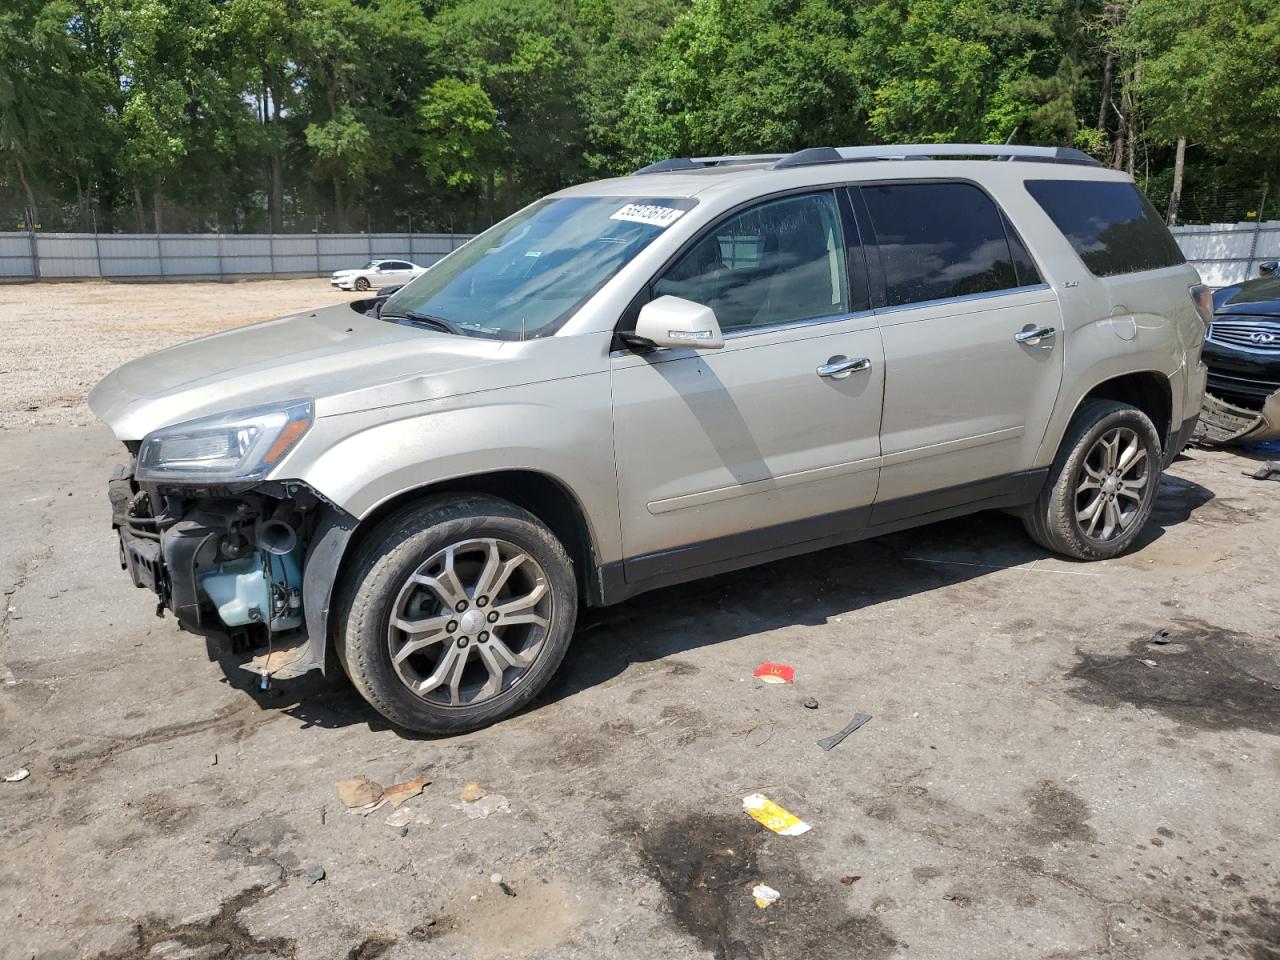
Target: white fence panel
x=1227 y=253
x=25 y=256
x=1223 y=253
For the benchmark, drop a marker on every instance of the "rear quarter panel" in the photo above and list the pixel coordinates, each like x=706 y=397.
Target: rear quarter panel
x=1132 y=323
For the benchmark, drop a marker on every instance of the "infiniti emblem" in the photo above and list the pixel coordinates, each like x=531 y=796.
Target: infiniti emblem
x=1259 y=336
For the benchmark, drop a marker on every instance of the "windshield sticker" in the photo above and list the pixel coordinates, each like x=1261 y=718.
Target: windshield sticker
x=655 y=216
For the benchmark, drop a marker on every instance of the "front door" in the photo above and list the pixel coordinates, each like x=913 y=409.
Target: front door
x=973 y=345
x=728 y=454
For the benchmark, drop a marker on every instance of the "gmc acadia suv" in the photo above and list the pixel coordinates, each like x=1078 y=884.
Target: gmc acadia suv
x=712 y=363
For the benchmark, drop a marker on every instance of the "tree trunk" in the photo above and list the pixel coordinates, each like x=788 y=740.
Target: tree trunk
x=1106 y=91
x=339 y=206
x=1175 y=198
x=276 y=198
x=492 y=200
x=157 y=199
x=33 y=209
x=139 y=210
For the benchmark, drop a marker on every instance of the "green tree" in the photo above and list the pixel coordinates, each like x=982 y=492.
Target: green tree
x=738 y=76
x=460 y=141
x=1210 y=72
x=972 y=71
x=618 y=38
x=523 y=55
x=362 y=67
x=49 y=96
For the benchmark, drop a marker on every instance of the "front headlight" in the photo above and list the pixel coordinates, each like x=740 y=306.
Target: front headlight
x=227 y=448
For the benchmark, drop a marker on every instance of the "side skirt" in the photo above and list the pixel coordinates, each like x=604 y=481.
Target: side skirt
x=634 y=575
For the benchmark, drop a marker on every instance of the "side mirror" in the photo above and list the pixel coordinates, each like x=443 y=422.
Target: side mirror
x=1268 y=268
x=676 y=322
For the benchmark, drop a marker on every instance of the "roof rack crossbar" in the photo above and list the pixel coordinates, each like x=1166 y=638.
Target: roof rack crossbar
x=701 y=163
x=928 y=151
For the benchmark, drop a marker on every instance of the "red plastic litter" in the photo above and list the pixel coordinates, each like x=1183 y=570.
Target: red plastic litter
x=776 y=673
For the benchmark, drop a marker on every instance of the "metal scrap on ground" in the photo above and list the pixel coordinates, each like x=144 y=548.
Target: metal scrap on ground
x=826 y=743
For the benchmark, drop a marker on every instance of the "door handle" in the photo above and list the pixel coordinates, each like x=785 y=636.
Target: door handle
x=837 y=368
x=1032 y=337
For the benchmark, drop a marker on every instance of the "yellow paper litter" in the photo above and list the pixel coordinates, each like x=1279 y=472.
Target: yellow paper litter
x=763 y=810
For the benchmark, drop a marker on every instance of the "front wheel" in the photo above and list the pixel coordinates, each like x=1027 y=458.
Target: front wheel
x=1102 y=485
x=458 y=612
x=362 y=283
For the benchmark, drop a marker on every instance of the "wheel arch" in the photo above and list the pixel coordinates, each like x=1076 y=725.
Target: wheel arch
x=542 y=495
x=1149 y=390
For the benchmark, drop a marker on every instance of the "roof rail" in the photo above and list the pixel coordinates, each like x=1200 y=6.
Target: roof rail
x=931 y=151
x=701 y=163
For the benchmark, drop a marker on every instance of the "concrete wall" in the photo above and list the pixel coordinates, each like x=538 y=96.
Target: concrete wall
x=1224 y=253
x=212 y=256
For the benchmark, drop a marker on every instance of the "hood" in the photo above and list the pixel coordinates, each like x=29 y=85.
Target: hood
x=339 y=358
x=1260 y=297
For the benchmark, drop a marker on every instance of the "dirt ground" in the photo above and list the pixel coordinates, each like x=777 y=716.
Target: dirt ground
x=1039 y=779
x=62 y=338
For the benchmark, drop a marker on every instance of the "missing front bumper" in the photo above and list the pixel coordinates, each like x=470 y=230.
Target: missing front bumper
x=217 y=559
x=1226 y=424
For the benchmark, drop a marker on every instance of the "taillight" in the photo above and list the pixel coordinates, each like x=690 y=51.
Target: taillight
x=1202 y=297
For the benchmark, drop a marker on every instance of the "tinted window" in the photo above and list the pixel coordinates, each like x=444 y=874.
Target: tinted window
x=1111 y=225
x=778 y=262
x=1023 y=266
x=939 y=240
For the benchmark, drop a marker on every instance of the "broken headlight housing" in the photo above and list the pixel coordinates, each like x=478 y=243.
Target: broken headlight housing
x=226 y=448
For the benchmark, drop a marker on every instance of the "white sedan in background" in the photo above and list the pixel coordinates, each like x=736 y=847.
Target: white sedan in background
x=376 y=273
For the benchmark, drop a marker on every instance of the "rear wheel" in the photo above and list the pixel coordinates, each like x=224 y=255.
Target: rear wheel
x=1102 y=485
x=459 y=613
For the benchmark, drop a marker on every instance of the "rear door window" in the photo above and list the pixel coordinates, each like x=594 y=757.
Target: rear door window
x=1112 y=226
x=941 y=240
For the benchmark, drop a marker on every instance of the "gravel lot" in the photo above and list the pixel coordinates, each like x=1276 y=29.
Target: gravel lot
x=1039 y=780
x=62 y=338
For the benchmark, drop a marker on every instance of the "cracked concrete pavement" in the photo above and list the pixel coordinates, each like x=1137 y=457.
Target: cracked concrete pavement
x=1039 y=780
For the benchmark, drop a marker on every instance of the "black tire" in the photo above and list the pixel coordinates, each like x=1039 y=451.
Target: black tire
x=362 y=283
x=380 y=572
x=1052 y=520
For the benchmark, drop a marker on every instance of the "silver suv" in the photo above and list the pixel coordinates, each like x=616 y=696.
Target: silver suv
x=709 y=364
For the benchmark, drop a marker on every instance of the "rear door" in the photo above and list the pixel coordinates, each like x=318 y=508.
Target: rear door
x=397 y=271
x=726 y=454
x=973 y=345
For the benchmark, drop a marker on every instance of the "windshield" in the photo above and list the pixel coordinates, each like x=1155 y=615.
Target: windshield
x=523 y=277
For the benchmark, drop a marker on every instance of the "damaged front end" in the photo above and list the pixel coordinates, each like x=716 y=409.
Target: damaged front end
x=252 y=564
x=234 y=555
x=1223 y=423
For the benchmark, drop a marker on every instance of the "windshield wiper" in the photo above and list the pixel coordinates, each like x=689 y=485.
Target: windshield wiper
x=423 y=319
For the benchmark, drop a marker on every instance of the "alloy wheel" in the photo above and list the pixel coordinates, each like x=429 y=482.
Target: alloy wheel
x=470 y=622
x=1111 y=485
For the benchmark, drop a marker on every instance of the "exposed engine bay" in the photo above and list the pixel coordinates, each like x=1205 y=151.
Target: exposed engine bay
x=228 y=561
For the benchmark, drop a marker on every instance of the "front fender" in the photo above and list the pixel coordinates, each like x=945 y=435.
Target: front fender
x=562 y=429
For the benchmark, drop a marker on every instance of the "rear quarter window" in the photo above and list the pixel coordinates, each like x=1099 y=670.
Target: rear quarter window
x=1112 y=226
